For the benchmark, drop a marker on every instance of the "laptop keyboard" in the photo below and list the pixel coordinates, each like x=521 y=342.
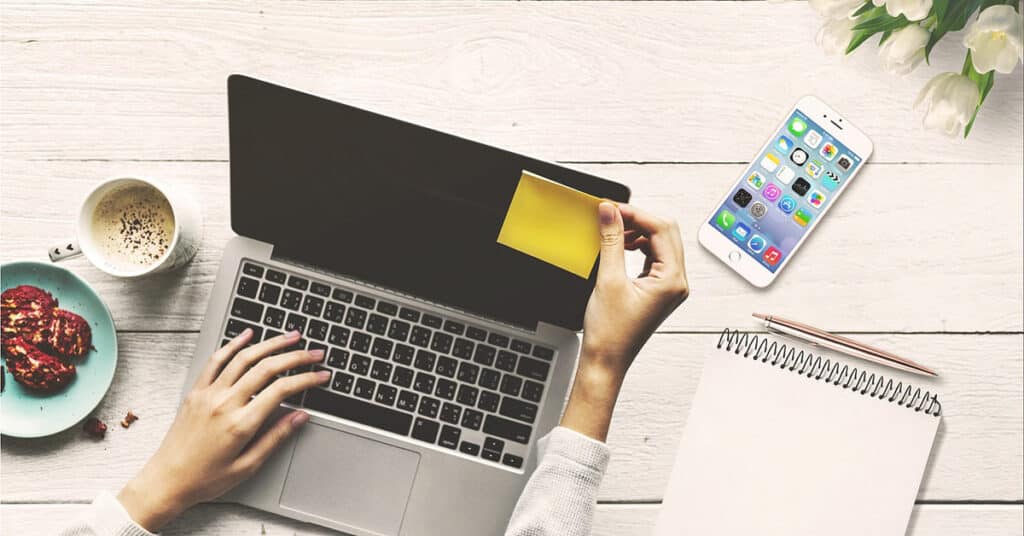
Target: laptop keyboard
x=399 y=369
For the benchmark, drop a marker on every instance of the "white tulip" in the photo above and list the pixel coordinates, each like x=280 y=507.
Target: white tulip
x=835 y=9
x=835 y=35
x=950 y=99
x=995 y=39
x=904 y=49
x=911 y=9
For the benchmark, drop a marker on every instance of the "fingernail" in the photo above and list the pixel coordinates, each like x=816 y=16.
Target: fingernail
x=324 y=375
x=299 y=418
x=293 y=334
x=245 y=332
x=317 y=353
x=606 y=212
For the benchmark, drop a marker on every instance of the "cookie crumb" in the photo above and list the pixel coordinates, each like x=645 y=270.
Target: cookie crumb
x=95 y=428
x=129 y=419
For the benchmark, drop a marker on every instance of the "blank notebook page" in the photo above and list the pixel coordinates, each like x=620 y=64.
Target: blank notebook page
x=770 y=451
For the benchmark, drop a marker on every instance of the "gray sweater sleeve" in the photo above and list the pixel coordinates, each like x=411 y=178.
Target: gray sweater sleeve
x=561 y=496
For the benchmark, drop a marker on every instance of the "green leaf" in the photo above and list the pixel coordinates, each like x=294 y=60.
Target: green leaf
x=858 y=40
x=868 y=6
x=885 y=35
x=954 y=19
x=984 y=83
x=939 y=9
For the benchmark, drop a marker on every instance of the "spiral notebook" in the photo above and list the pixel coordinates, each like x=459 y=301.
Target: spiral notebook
x=780 y=441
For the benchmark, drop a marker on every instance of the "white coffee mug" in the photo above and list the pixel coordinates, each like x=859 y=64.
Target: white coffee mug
x=174 y=251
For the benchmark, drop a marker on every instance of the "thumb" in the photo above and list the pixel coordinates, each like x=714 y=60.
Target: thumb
x=264 y=445
x=613 y=256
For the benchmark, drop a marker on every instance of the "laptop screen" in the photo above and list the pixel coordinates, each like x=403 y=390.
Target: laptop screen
x=394 y=204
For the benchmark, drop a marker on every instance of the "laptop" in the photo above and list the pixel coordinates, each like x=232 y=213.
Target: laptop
x=451 y=354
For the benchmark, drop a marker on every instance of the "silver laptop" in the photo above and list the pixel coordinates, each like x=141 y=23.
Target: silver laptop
x=451 y=354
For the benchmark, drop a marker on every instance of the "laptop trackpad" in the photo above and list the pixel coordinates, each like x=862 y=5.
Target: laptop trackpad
x=349 y=479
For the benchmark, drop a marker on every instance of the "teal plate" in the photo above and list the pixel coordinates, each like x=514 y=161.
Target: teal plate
x=26 y=413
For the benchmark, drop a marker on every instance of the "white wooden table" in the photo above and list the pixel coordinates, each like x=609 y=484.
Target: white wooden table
x=923 y=255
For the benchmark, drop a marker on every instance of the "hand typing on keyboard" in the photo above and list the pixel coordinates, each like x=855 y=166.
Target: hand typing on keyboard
x=213 y=443
x=622 y=312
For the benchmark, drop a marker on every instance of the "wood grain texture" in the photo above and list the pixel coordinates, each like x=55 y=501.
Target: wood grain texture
x=878 y=262
x=977 y=455
x=611 y=520
x=688 y=81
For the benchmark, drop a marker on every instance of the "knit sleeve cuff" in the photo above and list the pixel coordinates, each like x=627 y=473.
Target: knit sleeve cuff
x=574 y=446
x=110 y=517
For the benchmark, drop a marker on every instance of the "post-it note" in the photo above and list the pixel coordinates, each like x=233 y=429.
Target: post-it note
x=554 y=223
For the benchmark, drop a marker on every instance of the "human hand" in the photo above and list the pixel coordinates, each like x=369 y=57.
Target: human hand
x=623 y=313
x=213 y=444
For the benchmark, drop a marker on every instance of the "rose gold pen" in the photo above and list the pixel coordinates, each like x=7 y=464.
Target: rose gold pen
x=841 y=344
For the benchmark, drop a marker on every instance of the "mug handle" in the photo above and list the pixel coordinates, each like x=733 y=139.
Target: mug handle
x=64 y=250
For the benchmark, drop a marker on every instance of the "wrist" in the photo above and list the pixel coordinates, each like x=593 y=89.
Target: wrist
x=149 y=502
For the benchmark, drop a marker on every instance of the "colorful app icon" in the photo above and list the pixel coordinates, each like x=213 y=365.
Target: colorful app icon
x=772 y=256
x=797 y=127
x=828 y=151
x=787 y=204
x=830 y=181
x=725 y=219
x=802 y=217
x=844 y=163
x=758 y=209
x=785 y=175
x=812 y=139
x=816 y=198
x=771 y=192
x=756 y=180
x=799 y=156
x=741 y=231
x=757 y=243
x=814 y=169
x=784 y=144
x=801 y=186
x=742 y=197
x=770 y=162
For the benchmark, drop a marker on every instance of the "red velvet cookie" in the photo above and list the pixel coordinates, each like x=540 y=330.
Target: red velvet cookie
x=34 y=368
x=68 y=335
x=26 y=310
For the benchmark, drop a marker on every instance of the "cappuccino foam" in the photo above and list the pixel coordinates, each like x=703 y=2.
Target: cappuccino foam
x=133 y=227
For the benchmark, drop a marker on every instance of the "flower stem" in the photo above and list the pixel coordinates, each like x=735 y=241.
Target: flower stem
x=968 y=65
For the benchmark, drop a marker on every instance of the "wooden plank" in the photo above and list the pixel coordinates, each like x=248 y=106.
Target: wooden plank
x=692 y=81
x=977 y=454
x=611 y=519
x=888 y=256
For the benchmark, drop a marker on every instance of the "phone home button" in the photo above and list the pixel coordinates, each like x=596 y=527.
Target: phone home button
x=734 y=257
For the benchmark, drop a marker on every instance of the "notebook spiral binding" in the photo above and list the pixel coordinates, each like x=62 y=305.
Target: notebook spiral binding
x=765 y=350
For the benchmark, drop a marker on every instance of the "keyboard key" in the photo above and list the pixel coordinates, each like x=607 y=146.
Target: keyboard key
x=489 y=378
x=425 y=360
x=532 y=368
x=291 y=299
x=359 y=342
x=522 y=347
x=429 y=406
x=446 y=367
x=377 y=324
x=424 y=383
x=454 y=327
x=409 y=314
x=491 y=443
x=248 y=287
x=425 y=430
x=317 y=330
x=313 y=306
x=490 y=455
x=469 y=448
x=270 y=293
x=320 y=288
x=518 y=410
x=467 y=395
x=484 y=354
x=381 y=371
x=355 y=318
x=420 y=336
x=385 y=395
x=381 y=348
x=343 y=382
x=252 y=269
x=273 y=317
x=543 y=353
x=235 y=327
x=275 y=276
x=468 y=372
x=506 y=429
x=270 y=334
x=298 y=282
x=402 y=376
x=365 y=301
x=510 y=385
x=449 y=437
x=512 y=460
x=450 y=413
x=295 y=323
x=445 y=389
x=442 y=342
x=476 y=333
x=532 y=391
x=342 y=295
x=432 y=321
x=339 y=336
x=338 y=358
x=506 y=361
x=498 y=339
x=296 y=399
x=472 y=419
x=358 y=411
x=360 y=364
x=463 y=349
x=335 y=312
x=408 y=400
x=247 y=310
x=488 y=401
x=317 y=346
x=404 y=354
x=389 y=309
x=398 y=330
x=364 y=388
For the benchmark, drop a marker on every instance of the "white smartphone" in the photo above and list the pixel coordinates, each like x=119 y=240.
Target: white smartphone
x=789 y=187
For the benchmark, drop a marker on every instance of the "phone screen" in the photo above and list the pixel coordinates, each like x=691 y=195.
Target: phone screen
x=784 y=190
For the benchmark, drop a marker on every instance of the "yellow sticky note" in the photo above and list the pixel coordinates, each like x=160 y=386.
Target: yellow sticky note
x=553 y=223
